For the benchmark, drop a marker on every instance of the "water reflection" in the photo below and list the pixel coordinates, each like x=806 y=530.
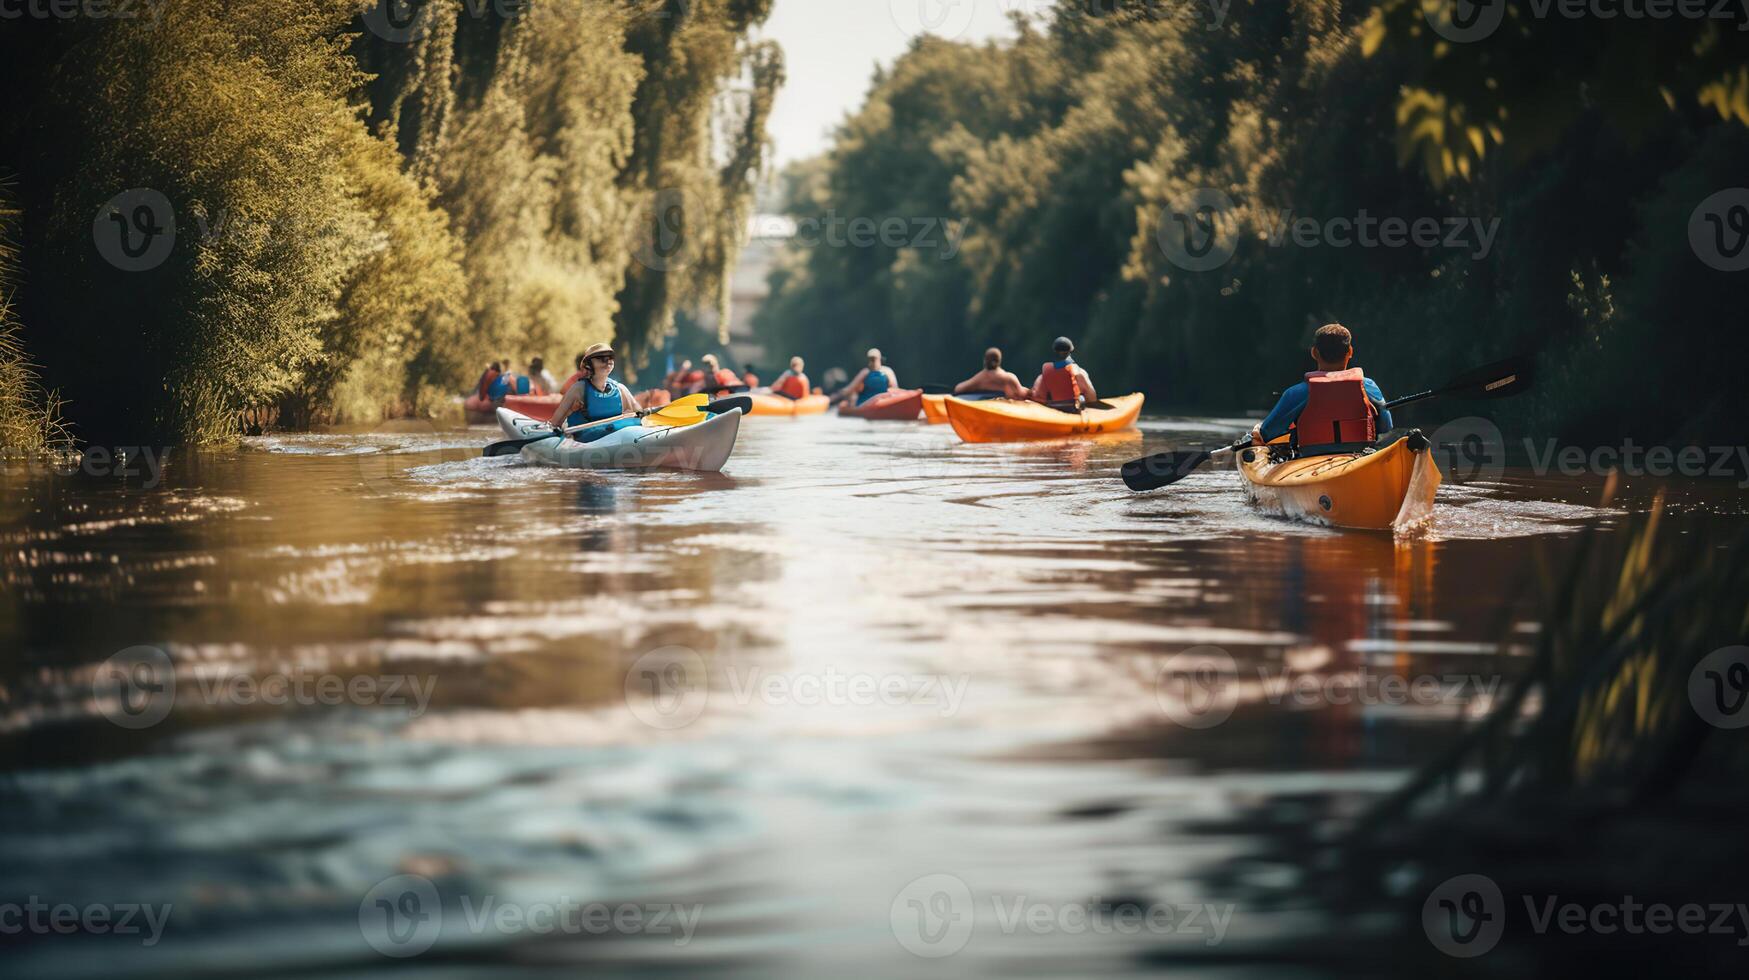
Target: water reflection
x=1004 y=609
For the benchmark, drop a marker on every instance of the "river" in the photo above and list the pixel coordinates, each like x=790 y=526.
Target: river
x=869 y=696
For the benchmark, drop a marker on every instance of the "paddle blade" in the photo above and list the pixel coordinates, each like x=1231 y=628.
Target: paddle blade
x=511 y=447
x=1161 y=469
x=722 y=405
x=1502 y=379
x=673 y=421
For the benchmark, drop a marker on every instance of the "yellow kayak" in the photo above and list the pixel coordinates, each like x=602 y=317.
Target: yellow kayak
x=935 y=409
x=1379 y=490
x=1006 y=420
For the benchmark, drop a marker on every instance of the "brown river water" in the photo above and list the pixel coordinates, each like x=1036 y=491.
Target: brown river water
x=870 y=701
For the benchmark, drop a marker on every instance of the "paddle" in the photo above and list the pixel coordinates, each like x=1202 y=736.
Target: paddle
x=1501 y=379
x=1075 y=409
x=681 y=411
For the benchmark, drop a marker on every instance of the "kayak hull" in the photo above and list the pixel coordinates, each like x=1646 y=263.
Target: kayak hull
x=1008 y=420
x=767 y=404
x=891 y=406
x=1378 y=491
x=534 y=406
x=935 y=409
x=704 y=446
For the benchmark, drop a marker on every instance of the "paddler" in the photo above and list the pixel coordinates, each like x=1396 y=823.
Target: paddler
x=1061 y=380
x=543 y=379
x=993 y=378
x=793 y=383
x=1335 y=405
x=484 y=388
x=597 y=396
x=717 y=377
x=876 y=379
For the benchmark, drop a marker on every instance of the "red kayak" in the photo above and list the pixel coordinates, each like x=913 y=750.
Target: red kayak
x=891 y=406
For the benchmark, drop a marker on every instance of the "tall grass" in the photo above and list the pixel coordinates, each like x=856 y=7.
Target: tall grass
x=30 y=420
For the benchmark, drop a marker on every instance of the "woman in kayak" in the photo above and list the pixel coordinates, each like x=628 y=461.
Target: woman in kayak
x=993 y=378
x=792 y=384
x=596 y=397
x=876 y=379
x=1335 y=405
x=1061 y=380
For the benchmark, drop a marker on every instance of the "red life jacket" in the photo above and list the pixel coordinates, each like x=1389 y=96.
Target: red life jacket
x=750 y=379
x=1060 y=384
x=794 y=385
x=1337 y=410
x=692 y=377
x=728 y=379
x=485 y=388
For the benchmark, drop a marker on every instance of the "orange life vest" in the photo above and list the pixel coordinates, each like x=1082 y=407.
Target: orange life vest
x=575 y=377
x=750 y=379
x=1337 y=410
x=728 y=379
x=795 y=386
x=1060 y=384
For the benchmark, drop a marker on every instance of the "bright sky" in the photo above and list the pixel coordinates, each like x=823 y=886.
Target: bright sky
x=831 y=47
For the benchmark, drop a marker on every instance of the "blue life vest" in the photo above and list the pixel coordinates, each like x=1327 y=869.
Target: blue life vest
x=874 y=384
x=501 y=386
x=598 y=405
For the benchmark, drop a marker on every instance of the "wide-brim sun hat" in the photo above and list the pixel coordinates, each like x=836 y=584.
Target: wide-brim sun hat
x=596 y=350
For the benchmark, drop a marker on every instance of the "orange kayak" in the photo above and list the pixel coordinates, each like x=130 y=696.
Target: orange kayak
x=1374 y=490
x=1006 y=420
x=764 y=404
x=935 y=409
x=890 y=406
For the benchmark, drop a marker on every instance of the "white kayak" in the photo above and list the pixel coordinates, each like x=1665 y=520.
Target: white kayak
x=703 y=446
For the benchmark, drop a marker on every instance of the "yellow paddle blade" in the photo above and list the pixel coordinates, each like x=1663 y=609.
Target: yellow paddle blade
x=674 y=422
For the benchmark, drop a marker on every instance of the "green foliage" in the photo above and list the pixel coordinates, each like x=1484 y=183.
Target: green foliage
x=1070 y=150
x=362 y=222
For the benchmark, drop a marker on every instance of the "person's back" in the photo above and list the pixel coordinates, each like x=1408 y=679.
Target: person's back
x=993 y=378
x=1335 y=406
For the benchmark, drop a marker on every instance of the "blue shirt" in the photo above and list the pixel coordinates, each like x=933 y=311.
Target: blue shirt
x=1293 y=402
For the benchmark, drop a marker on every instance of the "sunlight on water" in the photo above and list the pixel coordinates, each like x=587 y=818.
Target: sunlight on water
x=860 y=656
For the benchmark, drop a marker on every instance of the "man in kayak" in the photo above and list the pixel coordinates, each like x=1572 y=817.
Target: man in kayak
x=1335 y=405
x=793 y=383
x=1061 y=381
x=484 y=388
x=596 y=397
x=876 y=379
x=542 y=378
x=716 y=377
x=993 y=378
